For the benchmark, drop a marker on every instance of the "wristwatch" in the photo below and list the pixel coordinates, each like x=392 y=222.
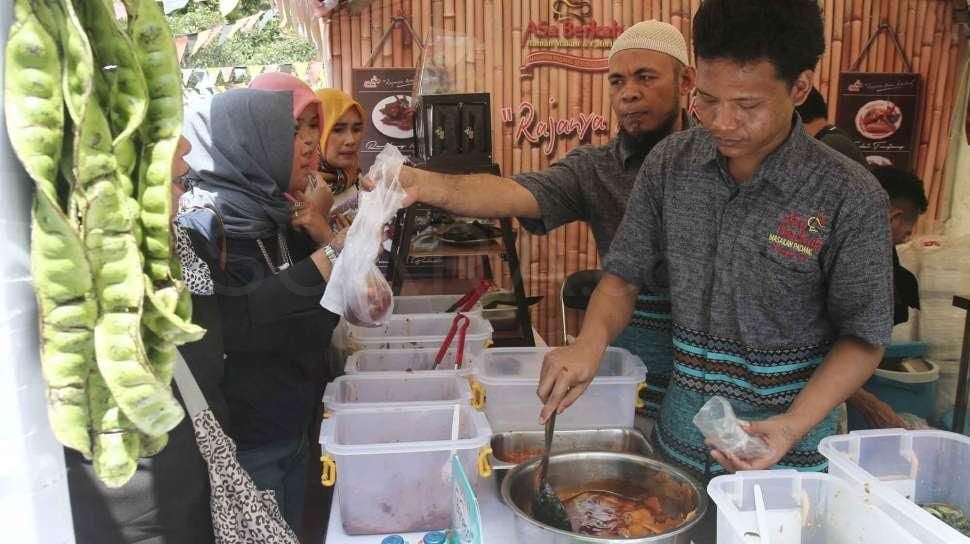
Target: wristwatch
x=330 y=253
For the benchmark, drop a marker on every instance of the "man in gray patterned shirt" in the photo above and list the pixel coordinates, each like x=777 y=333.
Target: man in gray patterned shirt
x=775 y=250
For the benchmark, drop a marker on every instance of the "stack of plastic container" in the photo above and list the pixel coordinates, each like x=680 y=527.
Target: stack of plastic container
x=393 y=422
x=901 y=471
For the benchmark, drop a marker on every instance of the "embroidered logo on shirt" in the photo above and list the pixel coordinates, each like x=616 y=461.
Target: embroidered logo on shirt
x=797 y=237
x=816 y=224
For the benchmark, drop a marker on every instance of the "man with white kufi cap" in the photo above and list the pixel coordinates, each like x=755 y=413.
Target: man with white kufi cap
x=648 y=76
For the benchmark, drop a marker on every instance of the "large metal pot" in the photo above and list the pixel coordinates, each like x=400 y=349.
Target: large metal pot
x=575 y=470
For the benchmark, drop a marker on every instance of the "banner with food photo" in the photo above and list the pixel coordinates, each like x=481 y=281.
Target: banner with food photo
x=386 y=94
x=881 y=113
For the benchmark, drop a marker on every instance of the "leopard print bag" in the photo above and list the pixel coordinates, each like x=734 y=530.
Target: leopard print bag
x=241 y=514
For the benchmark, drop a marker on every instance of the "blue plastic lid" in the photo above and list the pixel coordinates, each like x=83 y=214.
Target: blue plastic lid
x=436 y=537
x=393 y=539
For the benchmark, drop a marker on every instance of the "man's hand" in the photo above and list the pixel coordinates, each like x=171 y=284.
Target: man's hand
x=566 y=373
x=780 y=434
x=878 y=414
x=408 y=177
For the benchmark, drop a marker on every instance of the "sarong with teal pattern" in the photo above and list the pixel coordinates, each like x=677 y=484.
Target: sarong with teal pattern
x=648 y=337
x=758 y=383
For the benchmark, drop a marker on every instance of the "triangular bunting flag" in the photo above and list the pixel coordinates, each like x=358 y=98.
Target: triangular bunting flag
x=213 y=76
x=254 y=70
x=271 y=68
x=266 y=18
x=227 y=73
x=200 y=40
x=180 y=43
x=251 y=21
x=186 y=76
x=230 y=30
x=214 y=33
x=300 y=69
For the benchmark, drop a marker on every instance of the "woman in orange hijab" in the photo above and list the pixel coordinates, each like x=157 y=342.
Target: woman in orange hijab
x=340 y=137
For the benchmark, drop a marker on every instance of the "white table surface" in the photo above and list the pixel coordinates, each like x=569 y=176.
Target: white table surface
x=498 y=519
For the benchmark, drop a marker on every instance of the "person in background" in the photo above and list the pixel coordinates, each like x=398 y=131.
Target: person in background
x=907 y=201
x=340 y=138
x=167 y=500
x=781 y=303
x=269 y=263
x=814 y=115
x=649 y=74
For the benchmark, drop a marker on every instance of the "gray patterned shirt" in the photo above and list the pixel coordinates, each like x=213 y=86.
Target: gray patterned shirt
x=764 y=276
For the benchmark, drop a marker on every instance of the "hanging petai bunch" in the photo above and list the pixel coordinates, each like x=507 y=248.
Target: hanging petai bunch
x=93 y=111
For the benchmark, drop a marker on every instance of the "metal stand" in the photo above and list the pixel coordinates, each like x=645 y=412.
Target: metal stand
x=401 y=250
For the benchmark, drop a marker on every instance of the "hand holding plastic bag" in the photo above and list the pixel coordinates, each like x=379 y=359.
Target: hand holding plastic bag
x=357 y=290
x=719 y=425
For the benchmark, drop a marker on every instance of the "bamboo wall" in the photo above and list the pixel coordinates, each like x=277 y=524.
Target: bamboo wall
x=926 y=30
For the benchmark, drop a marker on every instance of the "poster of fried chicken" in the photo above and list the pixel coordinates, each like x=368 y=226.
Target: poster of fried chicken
x=881 y=113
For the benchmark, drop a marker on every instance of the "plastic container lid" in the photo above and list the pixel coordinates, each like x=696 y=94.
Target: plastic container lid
x=389 y=389
x=419 y=328
x=931 y=375
x=413 y=361
x=393 y=539
x=520 y=366
x=436 y=537
x=369 y=431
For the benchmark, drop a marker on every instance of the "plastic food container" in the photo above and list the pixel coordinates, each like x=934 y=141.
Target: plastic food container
x=903 y=469
x=420 y=331
x=417 y=361
x=392 y=466
x=505 y=383
x=799 y=508
x=392 y=389
x=431 y=304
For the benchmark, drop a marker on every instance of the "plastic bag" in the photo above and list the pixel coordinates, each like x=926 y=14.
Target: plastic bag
x=719 y=425
x=357 y=290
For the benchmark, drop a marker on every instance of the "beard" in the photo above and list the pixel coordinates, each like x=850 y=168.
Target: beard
x=644 y=141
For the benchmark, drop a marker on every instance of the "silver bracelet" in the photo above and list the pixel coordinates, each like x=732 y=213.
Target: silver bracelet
x=330 y=253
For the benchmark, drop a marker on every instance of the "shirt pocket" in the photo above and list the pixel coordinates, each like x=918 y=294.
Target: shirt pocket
x=786 y=300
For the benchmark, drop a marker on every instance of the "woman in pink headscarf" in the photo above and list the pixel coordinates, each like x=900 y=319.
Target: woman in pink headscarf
x=313 y=198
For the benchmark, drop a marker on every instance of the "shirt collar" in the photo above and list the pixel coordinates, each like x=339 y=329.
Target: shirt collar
x=777 y=166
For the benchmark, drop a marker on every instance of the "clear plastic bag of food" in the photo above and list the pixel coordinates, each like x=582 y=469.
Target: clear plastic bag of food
x=719 y=425
x=357 y=290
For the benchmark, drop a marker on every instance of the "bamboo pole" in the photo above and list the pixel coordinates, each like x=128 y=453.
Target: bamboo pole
x=910 y=38
x=461 y=53
x=475 y=18
x=338 y=57
x=355 y=42
x=889 y=63
x=665 y=10
x=934 y=95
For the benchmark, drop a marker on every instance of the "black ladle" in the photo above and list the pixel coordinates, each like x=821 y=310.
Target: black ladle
x=547 y=508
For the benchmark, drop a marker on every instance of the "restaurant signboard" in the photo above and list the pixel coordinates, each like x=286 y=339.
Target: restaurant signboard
x=880 y=111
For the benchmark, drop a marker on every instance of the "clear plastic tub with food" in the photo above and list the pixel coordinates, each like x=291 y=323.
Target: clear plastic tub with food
x=920 y=478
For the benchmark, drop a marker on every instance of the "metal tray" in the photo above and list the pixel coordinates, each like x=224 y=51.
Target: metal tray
x=507 y=447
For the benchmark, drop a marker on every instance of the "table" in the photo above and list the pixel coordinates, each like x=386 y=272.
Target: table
x=498 y=519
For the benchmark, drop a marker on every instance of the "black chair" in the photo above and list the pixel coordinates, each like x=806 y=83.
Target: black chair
x=575 y=293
